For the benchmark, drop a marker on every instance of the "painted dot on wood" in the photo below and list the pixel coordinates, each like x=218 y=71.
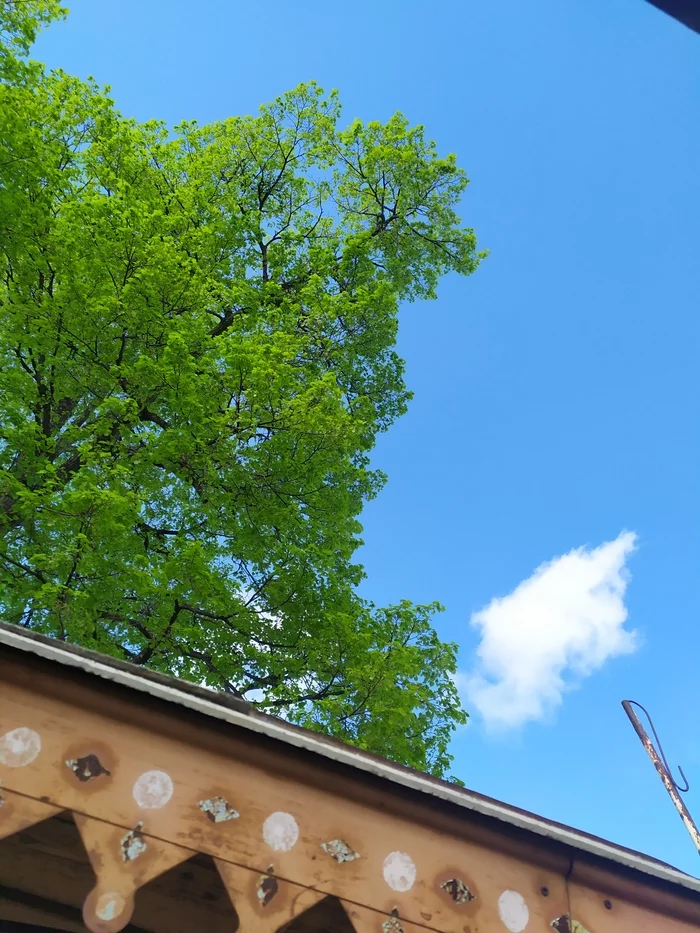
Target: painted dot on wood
x=513 y=911
x=109 y=906
x=19 y=747
x=153 y=790
x=280 y=831
x=399 y=871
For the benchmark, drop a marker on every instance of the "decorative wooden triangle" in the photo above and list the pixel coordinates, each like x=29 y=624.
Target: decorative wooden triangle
x=123 y=862
x=263 y=902
x=366 y=920
x=18 y=812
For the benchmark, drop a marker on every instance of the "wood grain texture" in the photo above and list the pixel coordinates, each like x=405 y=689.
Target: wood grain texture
x=594 y=911
x=281 y=819
x=161 y=796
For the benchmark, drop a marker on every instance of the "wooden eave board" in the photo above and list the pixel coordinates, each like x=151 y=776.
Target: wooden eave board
x=151 y=784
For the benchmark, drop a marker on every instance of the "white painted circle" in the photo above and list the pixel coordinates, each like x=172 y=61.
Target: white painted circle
x=280 y=831
x=399 y=871
x=513 y=911
x=19 y=747
x=153 y=790
x=109 y=906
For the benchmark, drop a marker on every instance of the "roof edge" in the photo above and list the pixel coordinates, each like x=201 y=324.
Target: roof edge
x=242 y=715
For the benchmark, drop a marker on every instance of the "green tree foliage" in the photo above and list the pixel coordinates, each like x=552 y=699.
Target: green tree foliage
x=197 y=350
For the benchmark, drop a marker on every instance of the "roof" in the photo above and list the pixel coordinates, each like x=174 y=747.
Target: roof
x=241 y=715
x=685 y=11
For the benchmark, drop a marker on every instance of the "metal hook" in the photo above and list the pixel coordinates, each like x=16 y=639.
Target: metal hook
x=626 y=704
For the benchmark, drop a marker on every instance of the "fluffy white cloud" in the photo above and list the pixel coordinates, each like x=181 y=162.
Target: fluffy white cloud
x=555 y=628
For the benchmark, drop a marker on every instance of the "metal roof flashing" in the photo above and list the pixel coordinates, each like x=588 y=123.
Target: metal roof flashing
x=242 y=715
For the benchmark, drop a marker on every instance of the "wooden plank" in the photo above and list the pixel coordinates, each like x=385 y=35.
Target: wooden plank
x=18 y=812
x=622 y=888
x=123 y=862
x=263 y=902
x=596 y=913
x=205 y=799
x=28 y=864
x=18 y=907
x=328 y=916
x=365 y=920
x=45 y=875
x=186 y=898
x=187 y=785
x=294 y=764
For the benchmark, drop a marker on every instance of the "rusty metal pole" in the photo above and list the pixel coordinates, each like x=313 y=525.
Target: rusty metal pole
x=659 y=761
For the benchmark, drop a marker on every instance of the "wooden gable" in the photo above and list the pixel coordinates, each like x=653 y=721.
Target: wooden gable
x=124 y=811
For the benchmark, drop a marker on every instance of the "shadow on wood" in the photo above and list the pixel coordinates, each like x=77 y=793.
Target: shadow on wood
x=45 y=876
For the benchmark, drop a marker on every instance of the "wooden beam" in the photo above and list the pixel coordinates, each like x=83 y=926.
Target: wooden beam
x=209 y=793
x=264 y=902
x=154 y=790
x=46 y=875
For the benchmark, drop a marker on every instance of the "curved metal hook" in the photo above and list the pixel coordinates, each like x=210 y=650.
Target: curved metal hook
x=660 y=751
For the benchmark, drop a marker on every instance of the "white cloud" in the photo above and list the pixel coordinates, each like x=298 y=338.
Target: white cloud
x=555 y=628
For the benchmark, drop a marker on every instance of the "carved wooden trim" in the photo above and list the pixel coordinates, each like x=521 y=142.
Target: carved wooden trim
x=264 y=902
x=123 y=862
x=146 y=799
x=18 y=812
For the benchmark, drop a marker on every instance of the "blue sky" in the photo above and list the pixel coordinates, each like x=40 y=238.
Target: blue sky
x=556 y=391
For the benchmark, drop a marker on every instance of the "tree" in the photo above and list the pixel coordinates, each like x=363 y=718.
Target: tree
x=197 y=350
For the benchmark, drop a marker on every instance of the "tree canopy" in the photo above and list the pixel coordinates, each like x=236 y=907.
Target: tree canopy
x=197 y=351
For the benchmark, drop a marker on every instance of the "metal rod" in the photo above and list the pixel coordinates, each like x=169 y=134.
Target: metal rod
x=659 y=761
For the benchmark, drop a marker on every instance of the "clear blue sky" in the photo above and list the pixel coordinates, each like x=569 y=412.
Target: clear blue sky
x=557 y=389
